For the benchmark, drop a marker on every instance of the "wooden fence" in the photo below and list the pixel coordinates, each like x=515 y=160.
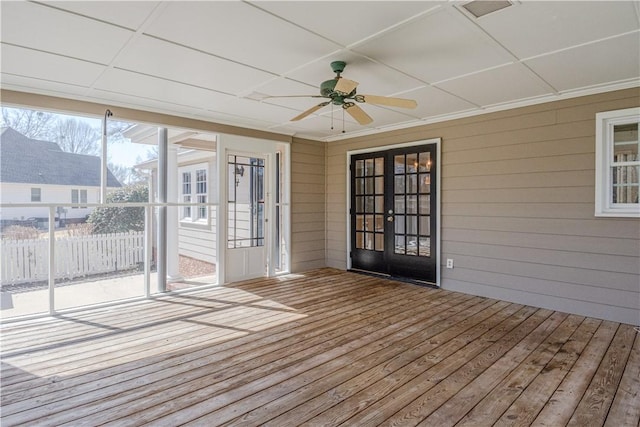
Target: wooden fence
x=25 y=261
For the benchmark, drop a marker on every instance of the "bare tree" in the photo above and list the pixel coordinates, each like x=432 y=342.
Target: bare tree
x=33 y=124
x=75 y=136
x=125 y=174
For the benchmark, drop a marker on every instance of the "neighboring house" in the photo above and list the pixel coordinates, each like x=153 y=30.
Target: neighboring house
x=40 y=172
x=196 y=225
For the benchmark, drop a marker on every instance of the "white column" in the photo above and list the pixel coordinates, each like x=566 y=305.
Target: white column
x=173 y=181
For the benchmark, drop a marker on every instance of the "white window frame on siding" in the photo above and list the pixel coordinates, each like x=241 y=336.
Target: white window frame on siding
x=605 y=123
x=194 y=214
x=78 y=196
x=36 y=196
x=201 y=193
x=186 y=195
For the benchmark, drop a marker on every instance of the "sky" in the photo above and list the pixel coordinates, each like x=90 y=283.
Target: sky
x=119 y=153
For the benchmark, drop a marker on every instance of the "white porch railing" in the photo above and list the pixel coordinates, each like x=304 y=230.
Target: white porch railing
x=25 y=261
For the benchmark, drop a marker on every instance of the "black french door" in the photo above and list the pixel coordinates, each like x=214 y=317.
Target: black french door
x=393 y=212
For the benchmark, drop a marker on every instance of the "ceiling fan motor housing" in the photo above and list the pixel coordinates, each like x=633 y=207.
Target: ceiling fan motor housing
x=327 y=89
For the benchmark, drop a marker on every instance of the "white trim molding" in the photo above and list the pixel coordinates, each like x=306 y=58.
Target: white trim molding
x=605 y=205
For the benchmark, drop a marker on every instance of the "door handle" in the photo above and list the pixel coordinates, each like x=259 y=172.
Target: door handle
x=390 y=218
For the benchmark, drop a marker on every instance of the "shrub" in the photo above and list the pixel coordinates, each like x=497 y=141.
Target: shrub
x=19 y=232
x=121 y=219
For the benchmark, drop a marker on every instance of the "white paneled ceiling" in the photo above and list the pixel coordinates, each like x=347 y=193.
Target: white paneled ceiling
x=221 y=60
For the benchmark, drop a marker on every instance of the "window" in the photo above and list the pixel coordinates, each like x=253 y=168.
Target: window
x=36 y=195
x=78 y=196
x=246 y=202
x=617 y=163
x=186 y=194
x=194 y=190
x=201 y=192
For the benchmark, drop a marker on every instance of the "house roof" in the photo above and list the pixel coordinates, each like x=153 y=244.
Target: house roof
x=31 y=161
x=451 y=62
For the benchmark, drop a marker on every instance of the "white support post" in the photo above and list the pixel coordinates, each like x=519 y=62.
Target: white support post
x=173 y=257
x=52 y=259
x=161 y=258
x=148 y=246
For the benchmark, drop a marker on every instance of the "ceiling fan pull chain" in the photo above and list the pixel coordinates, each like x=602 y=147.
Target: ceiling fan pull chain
x=331 y=116
x=343 y=120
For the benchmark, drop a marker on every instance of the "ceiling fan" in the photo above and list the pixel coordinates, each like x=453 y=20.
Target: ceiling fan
x=342 y=92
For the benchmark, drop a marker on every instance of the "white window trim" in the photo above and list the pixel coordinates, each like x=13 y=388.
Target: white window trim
x=604 y=138
x=183 y=217
x=191 y=169
x=39 y=194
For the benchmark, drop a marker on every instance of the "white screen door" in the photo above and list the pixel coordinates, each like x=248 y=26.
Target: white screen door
x=247 y=211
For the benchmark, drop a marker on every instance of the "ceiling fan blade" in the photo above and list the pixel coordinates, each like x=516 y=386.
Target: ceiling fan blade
x=292 y=96
x=309 y=111
x=358 y=113
x=392 y=102
x=345 y=86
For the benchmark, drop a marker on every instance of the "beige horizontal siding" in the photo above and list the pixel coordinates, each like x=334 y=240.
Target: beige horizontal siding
x=518 y=208
x=308 y=207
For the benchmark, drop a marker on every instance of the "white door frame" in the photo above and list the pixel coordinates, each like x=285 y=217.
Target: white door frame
x=252 y=147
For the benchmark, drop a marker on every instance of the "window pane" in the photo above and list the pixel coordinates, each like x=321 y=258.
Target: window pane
x=368 y=223
x=35 y=195
x=425 y=247
x=425 y=162
x=359 y=222
x=399 y=244
x=625 y=145
x=379 y=185
x=412 y=224
x=399 y=221
x=186 y=210
x=379 y=223
x=359 y=167
x=412 y=185
x=359 y=240
x=425 y=205
x=379 y=204
x=379 y=164
x=412 y=245
x=370 y=204
x=398 y=164
x=368 y=187
x=625 y=184
x=360 y=186
x=359 y=204
x=186 y=183
x=412 y=163
x=399 y=184
x=368 y=167
x=425 y=225
x=398 y=205
x=425 y=183
x=412 y=204
x=368 y=241
x=379 y=242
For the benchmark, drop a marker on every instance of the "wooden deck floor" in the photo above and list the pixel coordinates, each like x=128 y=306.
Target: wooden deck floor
x=322 y=348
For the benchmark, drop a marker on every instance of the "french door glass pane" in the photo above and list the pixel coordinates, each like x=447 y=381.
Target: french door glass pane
x=425 y=183
x=379 y=165
x=399 y=245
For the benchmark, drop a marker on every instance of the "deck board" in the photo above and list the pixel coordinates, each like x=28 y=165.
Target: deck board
x=325 y=347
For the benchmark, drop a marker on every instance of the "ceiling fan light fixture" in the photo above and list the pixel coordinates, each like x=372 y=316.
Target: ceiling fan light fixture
x=479 y=8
